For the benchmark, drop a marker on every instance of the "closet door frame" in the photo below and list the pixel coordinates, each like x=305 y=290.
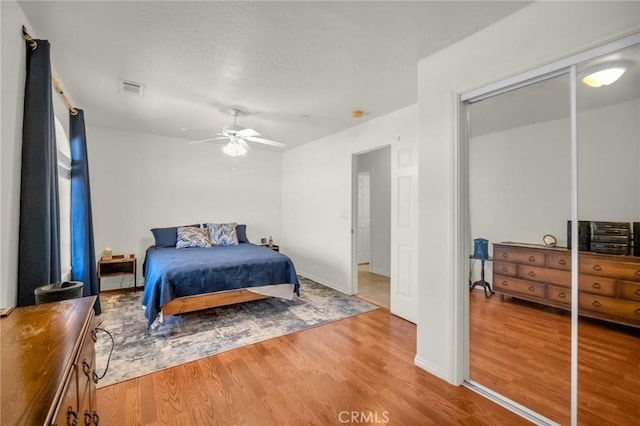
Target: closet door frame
x=461 y=217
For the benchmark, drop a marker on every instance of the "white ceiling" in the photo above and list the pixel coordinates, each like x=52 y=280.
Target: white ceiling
x=276 y=61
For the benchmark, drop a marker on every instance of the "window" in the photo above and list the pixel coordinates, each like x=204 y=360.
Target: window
x=64 y=193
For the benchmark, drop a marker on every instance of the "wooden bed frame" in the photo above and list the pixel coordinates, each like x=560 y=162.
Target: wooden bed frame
x=185 y=304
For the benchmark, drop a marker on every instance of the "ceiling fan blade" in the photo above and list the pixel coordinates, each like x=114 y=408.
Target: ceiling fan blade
x=207 y=140
x=247 y=133
x=266 y=141
x=242 y=143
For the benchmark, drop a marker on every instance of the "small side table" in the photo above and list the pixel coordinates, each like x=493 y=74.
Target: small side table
x=118 y=265
x=488 y=292
x=272 y=247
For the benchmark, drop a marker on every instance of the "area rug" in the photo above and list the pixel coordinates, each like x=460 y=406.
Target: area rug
x=183 y=338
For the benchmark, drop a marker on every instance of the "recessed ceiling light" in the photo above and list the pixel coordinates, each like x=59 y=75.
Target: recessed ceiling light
x=604 y=74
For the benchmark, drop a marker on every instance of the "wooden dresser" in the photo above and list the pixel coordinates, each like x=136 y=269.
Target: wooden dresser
x=609 y=285
x=48 y=364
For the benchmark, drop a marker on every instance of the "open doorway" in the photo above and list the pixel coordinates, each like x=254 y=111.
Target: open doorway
x=372 y=225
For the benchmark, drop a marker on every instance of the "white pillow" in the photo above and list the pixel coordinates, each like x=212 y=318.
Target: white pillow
x=223 y=234
x=189 y=236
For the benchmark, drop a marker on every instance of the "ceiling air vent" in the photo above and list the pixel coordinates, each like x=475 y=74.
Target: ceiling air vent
x=131 y=88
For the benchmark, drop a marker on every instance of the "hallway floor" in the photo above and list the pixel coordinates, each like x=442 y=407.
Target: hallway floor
x=372 y=287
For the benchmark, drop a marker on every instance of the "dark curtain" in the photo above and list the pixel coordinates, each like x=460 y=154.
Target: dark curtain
x=39 y=232
x=83 y=253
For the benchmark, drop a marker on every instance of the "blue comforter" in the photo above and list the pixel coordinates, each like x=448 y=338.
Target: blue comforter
x=171 y=273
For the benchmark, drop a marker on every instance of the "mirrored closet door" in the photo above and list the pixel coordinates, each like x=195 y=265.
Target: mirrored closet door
x=608 y=119
x=553 y=194
x=519 y=155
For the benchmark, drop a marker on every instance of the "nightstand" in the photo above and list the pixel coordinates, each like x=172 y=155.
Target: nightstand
x=273 y=247
x=118 y=265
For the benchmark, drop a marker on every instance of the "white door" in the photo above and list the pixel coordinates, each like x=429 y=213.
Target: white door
x=404 y=230
x=363 y=229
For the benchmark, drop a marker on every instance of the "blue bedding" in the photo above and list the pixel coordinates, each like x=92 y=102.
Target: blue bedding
x=171 y=273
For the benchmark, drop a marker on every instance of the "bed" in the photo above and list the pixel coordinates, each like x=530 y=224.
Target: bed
x=180 y=280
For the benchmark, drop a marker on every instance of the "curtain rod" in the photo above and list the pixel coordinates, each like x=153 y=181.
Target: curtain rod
x=34 y=45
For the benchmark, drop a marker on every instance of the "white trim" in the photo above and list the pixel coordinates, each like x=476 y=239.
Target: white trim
x=574 y=247
x=431 y=369
x=459 y=232
x=324 y=282
x=509 y=404
x=549 y=69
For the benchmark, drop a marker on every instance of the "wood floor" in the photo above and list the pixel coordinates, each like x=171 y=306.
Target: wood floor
x=360 y=368
x=522 y=350
x=373 y=288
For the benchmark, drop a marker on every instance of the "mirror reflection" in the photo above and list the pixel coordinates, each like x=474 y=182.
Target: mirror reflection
x=520 y=200
x=608 y=104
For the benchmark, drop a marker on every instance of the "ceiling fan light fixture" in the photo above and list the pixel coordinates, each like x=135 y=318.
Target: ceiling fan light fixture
x=604 y=74
x=234 y=149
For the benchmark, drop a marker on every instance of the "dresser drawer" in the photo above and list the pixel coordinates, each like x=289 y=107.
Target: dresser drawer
x=610 y=306
x=559 y=294
x=597 y=285
x=503 y=268
x=523 y=256
x=544 y=275
x=514 y=285
x=610 y=268
x=559 y=261
x=630 y=291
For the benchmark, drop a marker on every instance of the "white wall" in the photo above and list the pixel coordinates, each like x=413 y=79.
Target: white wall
x=378 y=162
x=141 y=181
x=12 y=80
x=535 y=35
x=317 y=196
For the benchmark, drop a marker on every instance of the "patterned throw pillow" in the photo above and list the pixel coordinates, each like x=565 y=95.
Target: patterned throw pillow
x=189 y=236
x=223 y=234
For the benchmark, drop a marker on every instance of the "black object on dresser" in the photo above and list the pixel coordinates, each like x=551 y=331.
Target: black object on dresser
x=607 y=237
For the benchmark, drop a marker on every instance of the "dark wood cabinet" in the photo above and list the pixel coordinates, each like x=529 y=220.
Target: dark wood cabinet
x=608 y=285
x=48 y=364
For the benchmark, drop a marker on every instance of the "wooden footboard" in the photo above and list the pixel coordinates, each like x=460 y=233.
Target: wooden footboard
x=186 y=304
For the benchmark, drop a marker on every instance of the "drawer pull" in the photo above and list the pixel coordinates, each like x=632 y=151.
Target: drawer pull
x=532 y=288
x=505 y=283
x=505 y=254
x=95 y=377
x=597 y=268
x=638 y=291
x=638 y=272
x=504 y=269
x=597 y=286
x=637 y=312
x=86 y=368
x=562 y=295
x=532 y=259
x=596 y=304
x=72 y=417
x=531 y=274
x=562 y=262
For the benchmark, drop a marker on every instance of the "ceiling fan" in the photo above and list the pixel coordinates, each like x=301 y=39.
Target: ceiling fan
x=238 y=137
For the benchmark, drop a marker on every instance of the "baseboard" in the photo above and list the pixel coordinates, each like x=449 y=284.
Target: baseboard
x=384 y=273
x=324 y=282
x=432 y=369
